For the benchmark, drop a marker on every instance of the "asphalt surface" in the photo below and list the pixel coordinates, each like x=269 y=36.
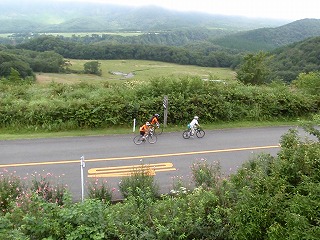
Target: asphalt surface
x=106 y=157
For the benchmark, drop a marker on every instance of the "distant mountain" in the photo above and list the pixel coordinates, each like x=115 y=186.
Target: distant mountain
x=271 y=38
x=50 y=16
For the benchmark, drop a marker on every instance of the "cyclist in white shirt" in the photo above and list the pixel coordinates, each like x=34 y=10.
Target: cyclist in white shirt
x=194 y=124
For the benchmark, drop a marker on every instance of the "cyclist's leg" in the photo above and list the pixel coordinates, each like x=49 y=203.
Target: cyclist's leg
x=192 y=130
x=143 y=135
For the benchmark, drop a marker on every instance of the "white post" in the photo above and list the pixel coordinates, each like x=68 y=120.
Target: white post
x=82 y=166
x=134 y=125
x=165 y=110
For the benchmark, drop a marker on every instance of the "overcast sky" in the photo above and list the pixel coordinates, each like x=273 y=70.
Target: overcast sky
x=278 y=9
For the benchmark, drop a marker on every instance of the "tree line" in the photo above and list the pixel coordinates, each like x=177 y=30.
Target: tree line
x=202 y=55
x=46 y=54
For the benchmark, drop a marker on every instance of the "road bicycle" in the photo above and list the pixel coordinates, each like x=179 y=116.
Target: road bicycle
x=151 y=137
x=199 y=132
x=157 y=130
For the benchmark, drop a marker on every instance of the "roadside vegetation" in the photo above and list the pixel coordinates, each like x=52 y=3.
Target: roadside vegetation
x=84 y=105
x=51 y=85
x=267 y=198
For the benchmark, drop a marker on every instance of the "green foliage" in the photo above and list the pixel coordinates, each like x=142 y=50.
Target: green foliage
x=27 y=62
x=63 y=106
x=92 y=67
x=14 y=75
x=308 y=82
x=11 y=188
x=99 y=190
x=206 y=175
x=84 y=221
x=194 y=216
x=277 y=198
x=44 y=188
x=140 y=180
x=206 y=55
x=21 y=68
x=271 y=38
x=254 y=69
x=269 y=197
x=291 y=60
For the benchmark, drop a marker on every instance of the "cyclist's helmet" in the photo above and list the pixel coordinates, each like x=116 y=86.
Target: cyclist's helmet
x=157 y=115
x=196 y=117
x=147 y=123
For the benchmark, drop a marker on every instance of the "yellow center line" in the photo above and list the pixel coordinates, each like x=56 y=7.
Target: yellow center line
x=139 y=157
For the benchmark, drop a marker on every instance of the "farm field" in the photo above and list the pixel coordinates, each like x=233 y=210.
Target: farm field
x=83 y=34
x=137 y=70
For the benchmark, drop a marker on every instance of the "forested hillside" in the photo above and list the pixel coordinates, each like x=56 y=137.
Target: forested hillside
x=201 y=55
x=50 y=16
x=271 y=38
x=293 y=59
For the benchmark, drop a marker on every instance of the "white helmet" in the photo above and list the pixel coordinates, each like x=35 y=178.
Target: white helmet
x=196 y=117
x=147 y=123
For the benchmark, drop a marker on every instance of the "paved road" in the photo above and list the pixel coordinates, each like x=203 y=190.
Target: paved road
x=172 y=156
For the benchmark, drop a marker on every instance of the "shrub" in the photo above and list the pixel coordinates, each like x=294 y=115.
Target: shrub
x=194 y=216
x=179 y=187
x=141 y=179
x=308 y=83
x=206 y=175
x=45 y=188
x=99 y=190
x=11 y=188
x=279 y=198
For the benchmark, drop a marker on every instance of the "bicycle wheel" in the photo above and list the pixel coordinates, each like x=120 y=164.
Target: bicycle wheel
x=138 y=140
x=159 y=130
x=186 y=134
x=200 y=133
x=152 y=138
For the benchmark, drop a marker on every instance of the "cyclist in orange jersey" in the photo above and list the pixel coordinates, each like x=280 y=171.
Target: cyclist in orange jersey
x=154 y=120
x=144 y=129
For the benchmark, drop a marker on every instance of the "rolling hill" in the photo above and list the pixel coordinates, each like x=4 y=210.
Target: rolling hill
x=271 y=38
x=299 y=57
x=50 y=16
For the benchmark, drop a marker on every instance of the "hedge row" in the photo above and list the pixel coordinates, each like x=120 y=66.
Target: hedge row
x=62 y=106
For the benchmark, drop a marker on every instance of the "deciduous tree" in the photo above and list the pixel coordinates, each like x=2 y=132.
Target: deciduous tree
x=254 y=69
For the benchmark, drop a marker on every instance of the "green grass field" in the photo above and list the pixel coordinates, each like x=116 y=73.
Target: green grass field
x=141 y=70
x=83 y=34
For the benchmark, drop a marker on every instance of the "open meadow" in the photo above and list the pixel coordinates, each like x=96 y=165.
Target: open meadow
x=137 y=70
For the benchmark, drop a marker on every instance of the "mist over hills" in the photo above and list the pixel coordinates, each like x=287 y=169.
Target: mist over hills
x=49 y=16
x=271 y=38
x=196 y=38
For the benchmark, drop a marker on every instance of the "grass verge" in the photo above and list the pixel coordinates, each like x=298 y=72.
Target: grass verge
x=13 y=134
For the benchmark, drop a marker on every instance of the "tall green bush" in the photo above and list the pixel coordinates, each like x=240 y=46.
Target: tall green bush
x=278 y=198
x=62 y=107
x=141 y=179
x=11 y=187
x=308 y=82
